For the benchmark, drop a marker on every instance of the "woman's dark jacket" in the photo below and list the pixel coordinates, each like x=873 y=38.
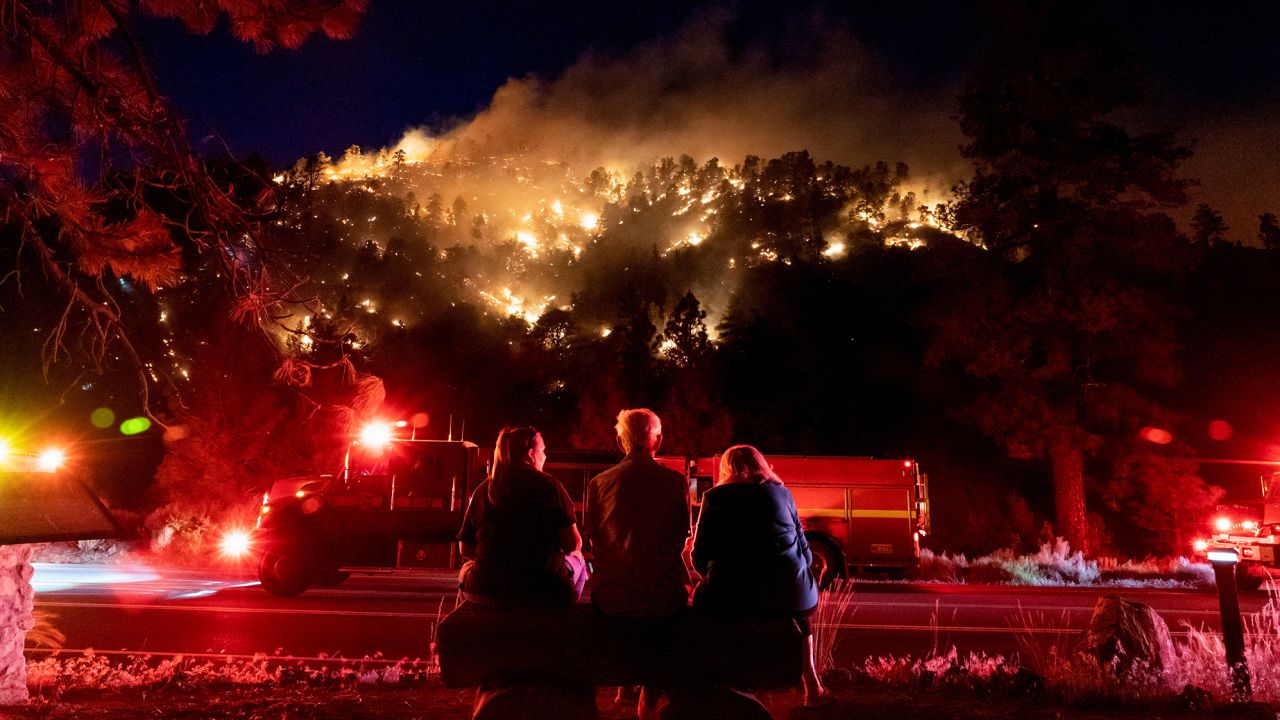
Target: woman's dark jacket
x=752 y=553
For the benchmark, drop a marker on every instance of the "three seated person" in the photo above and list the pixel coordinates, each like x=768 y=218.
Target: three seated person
x=523 y=548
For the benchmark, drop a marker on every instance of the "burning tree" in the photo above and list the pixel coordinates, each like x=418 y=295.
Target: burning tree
x=99 y=184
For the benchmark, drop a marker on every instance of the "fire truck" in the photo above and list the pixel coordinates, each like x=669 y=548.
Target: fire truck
x=859 y=514
x=1251 y=530
x=397 y=503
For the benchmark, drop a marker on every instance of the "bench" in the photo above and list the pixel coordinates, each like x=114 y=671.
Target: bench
x=546 y=663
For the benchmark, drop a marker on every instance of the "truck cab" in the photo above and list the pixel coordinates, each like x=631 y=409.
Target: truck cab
x=395 y=504
x=1251 y=531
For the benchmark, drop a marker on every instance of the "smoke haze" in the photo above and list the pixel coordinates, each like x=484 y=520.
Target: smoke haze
x=695 y=94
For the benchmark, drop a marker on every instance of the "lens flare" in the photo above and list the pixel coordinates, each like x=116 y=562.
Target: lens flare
x=50 y=460
x=235 y=544
x=135 y=426
x=376 y=435
x=102 y=418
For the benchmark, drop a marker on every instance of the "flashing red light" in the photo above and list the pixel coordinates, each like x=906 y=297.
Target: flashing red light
x=907 y=464
x=1223 y=524
x=1220 y=430
x=376 y=435
x=1201 y=545
x=1156 y=435
x=235 y=544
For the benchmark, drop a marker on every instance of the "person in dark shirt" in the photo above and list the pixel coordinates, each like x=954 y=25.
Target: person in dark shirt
x=519 y=534
x=636 y=522
x=751 y=550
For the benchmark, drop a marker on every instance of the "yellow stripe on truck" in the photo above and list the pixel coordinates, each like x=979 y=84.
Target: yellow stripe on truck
x=903 y=514
x=893 y=514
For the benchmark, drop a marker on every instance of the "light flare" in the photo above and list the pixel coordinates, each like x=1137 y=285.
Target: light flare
x=50 y=460
x=235 y=544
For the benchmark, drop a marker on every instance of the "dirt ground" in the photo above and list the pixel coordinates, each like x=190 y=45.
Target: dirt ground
x=432 y=702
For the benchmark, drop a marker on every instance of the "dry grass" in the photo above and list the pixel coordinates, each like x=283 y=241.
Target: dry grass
x=835 y=607
x=1055 y=564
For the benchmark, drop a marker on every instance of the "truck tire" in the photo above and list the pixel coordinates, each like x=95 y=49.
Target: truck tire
x=287 y=571
x=828 y=561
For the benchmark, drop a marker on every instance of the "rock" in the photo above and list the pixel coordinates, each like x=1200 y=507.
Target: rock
x=1132 y=636
x=1195 y=698
x=1027 y=682
x=17 y=601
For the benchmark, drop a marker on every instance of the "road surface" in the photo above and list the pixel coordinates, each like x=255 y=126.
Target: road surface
x=136 y=610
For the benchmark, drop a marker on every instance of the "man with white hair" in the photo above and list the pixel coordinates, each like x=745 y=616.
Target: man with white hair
x=636 y=522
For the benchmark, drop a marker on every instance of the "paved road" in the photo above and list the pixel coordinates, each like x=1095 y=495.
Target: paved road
x=140 y=610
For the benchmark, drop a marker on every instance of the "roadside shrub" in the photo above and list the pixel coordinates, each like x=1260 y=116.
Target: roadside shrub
x=1055 y=564
x=187 y=533
x=1176 y=571
x=54 y=675
x=941 y=567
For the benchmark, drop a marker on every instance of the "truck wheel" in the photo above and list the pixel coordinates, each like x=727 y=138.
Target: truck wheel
x=828 y=564
x=1248 y=578
x=286 y=571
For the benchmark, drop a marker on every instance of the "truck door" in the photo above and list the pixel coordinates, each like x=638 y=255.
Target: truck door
x=882 y=527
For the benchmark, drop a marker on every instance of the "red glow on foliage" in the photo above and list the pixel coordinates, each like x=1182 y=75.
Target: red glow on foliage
x=1156 y=435
x=1220 y=430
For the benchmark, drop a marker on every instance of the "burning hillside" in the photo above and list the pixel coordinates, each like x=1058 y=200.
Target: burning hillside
x=387 y=236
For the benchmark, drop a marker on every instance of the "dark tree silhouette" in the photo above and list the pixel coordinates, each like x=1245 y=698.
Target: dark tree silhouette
x=1269 y=231
x=1207 y=226
x=695 y=419
x=1075 y=323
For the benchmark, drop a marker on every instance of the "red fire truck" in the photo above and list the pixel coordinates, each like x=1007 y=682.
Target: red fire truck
x=1252 y=531
x=858 y=513
x=397 y=503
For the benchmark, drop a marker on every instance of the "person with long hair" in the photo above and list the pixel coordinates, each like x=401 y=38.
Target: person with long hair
x=754 y=559
x=519 y=534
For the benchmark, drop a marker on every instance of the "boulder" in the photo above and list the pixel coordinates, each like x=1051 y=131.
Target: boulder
x=1132 y=636
x=17 y=601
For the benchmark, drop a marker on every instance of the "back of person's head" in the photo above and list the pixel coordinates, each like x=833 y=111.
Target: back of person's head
x=744 y=463
x=511 y=449
x=639 y=429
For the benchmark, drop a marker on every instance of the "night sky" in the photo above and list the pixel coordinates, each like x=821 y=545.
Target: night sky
x=1212 y=76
